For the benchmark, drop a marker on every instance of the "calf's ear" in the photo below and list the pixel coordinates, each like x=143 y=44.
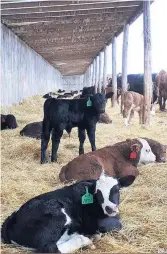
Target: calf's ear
x=135 y=148
x=126 y=181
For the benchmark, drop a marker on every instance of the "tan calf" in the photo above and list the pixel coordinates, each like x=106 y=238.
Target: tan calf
x=132 y=102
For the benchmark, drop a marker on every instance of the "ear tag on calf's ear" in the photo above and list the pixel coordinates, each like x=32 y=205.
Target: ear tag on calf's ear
x=133 y=155
x=87 y=198
x=89 y=102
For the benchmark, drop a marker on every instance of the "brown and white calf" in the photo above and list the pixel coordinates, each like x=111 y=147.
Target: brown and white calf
x=117 y=161
x=131 y=102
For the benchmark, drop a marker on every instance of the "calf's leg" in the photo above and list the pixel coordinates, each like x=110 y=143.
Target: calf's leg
x=82 y=137
x=44 y=140
x=163 y=105
x=56 y=136
x=91 y=135
x=75 y=242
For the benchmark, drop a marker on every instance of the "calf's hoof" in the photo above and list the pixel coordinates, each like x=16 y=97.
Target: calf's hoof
x=44 y=161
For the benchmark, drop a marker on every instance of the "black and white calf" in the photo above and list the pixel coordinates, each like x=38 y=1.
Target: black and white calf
x=58 y=221
x=63 y=114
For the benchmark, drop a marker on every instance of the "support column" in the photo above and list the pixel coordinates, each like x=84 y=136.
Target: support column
x=147 y=63
x=114 y=72
x=105 y=69
x=93 y=75
x=97 y=74
x=100 y=72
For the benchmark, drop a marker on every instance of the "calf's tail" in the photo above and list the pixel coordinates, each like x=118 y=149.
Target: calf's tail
x=6 y=228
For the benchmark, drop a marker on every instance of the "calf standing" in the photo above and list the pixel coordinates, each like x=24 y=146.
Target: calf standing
x=62 y=220
x=131 y=102
x=65 y=114
x=161 y=83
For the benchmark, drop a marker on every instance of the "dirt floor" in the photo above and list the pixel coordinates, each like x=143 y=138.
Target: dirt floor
x=143 y=206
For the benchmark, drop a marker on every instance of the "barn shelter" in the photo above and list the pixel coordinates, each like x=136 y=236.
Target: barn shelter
x=46 y=44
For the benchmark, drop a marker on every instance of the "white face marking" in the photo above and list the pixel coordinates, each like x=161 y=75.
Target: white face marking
x=68 y=219
x=70 y=243
x=105 y=184
x=146 y=154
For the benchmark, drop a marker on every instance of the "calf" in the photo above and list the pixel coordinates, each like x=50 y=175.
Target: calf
x=8 y=122
x=33 y=130
x=118 y=160
x=161 y=83
x=158 y=149
x=64 y=219
x=131 y=102
x=66 y=114
x=49 y=95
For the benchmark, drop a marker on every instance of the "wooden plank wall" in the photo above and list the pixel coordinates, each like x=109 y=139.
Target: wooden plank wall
x=73 y=82
x=24 y=72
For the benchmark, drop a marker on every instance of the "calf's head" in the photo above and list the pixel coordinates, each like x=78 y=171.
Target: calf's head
x=138 y=151
x=107 y=192
x=11 y=122
x=99 y=102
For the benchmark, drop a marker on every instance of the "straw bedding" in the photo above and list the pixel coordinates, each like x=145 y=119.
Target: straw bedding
x=143 y=206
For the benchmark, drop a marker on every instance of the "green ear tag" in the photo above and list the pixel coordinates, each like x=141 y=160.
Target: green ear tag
x=89 y=102
x=87 y=198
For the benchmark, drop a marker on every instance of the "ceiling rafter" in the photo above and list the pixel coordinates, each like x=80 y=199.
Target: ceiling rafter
x=69 y=34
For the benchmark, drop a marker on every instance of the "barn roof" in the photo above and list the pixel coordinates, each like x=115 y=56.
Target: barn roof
x=69 y=34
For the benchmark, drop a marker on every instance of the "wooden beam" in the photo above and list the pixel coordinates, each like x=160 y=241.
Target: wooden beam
x=147 y=63
x=105 y=68
x=69 y=13
x=69 y=7
x=96 y=73
x=73 y=19
x=114 y=72
x=63 y=27
x=65 y=30
x=124 y=61
x=100 y=73
x=68 y=4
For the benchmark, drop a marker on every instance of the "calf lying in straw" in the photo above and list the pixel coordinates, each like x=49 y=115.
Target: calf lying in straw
x=118 y=160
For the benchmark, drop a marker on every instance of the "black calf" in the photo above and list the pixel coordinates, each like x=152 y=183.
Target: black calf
x=8 y=122
x=64 y=115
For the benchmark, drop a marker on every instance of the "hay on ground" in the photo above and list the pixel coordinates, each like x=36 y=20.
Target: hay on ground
x=143 y=206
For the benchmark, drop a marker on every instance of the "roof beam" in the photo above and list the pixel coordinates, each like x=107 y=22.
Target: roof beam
x=52 y=21
x=65 y=35
x=69 y=13
x=33 y=4
x=56 y=28
x=65 y=31
x=69 y=7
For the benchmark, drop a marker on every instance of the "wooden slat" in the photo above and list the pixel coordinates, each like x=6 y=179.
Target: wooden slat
x=71 y=7
x=66 y=19
x=34 y=4
x=69 y=13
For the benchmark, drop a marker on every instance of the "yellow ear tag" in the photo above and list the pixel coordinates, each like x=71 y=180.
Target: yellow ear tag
x=89 y=102
x=87 y=198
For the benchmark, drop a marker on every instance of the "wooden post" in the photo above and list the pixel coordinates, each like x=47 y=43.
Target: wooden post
x=100 y=72
x=105 y=69
x=124 y=60
x=97 y=74
x=147 y=63
x=114 y=72
x=93 y=72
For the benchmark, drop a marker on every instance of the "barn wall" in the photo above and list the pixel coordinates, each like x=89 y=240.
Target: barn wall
x=73 y=82
x=24 y=72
